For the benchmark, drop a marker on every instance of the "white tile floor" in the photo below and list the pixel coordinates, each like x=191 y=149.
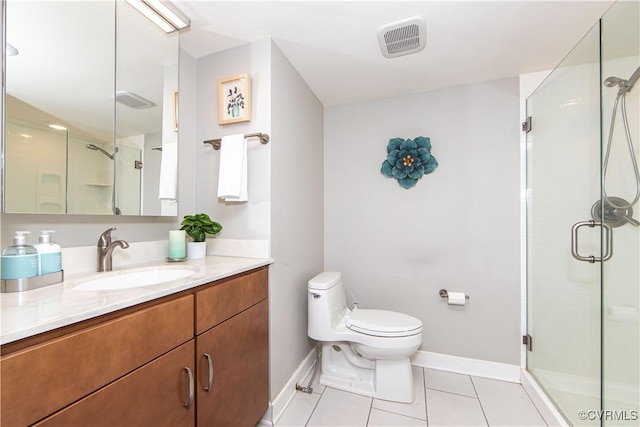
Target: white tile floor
x=442 y=399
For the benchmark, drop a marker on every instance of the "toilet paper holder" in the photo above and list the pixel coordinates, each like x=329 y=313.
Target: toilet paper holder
x=445 y=294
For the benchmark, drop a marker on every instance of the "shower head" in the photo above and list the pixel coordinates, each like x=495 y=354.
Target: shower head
x=625 y=85
x=614 y=81
x=96 y=148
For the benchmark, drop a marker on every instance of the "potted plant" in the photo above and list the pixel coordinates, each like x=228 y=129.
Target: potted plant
x=197 y=227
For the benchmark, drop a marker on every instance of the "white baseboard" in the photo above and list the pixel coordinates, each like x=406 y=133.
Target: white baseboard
x=266 y=418
x=283 y=399
x=463 y=365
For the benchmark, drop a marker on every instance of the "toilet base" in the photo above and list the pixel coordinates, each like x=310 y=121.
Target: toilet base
x=342 y=368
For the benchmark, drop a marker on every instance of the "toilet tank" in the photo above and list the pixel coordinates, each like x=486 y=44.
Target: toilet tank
x=326 y=304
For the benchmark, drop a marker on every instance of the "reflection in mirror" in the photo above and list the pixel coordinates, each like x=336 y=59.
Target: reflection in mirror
x=90 y=176
x=144 y=111
x=59 y=76
x=91 y=86
x=37 y=171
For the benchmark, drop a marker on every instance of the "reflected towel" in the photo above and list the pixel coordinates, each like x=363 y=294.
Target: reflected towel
x=169 y=172
x=232 y=178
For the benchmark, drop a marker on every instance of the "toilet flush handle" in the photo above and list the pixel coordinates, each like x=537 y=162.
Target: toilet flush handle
x=315 y=295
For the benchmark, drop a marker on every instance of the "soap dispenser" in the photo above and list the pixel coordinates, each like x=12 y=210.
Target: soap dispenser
x=20 y=260
x=49 y=254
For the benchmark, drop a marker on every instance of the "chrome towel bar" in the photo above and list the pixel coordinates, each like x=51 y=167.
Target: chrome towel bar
x=217 y=143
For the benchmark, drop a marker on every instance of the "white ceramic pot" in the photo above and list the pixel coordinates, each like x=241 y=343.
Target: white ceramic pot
x=196 y=250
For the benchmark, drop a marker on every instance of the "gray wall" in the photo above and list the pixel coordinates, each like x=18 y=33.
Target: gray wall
x=297 y=214
x=285 y=185
x=251 y=220
x=457 y=229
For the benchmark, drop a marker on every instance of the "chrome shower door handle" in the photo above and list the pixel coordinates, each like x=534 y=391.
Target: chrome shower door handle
x=608 y=241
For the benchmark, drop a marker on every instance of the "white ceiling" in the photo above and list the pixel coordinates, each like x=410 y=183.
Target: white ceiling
x=334 y=47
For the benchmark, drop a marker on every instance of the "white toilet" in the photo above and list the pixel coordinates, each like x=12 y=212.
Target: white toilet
x=363 y=351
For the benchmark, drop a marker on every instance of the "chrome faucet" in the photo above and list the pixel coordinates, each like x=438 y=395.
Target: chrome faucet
x=105 y=249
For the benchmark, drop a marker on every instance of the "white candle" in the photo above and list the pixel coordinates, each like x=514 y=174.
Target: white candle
x=177 y=244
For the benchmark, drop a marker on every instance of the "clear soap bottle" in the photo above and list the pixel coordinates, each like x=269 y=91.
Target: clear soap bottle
x=19 y=261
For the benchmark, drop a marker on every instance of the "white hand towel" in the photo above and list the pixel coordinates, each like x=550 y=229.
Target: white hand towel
x=169 y=172
x=232 y=178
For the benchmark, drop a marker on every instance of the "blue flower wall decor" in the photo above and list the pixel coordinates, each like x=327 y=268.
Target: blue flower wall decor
x=407 y=160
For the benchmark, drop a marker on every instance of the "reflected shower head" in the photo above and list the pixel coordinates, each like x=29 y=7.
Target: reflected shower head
x=96 y=148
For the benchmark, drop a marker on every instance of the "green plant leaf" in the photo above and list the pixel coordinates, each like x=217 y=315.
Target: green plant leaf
x=199 y=225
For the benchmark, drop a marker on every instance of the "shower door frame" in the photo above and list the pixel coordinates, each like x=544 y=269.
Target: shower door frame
x=611 y=396
x=567 y=134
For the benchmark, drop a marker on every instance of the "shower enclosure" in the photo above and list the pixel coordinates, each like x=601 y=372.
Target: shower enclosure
x=583 y=229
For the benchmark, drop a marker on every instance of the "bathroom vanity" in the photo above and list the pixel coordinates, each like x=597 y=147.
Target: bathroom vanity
x=198 y=356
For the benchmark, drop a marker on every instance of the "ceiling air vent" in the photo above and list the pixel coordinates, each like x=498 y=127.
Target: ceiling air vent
x=132 y=100
x=402 y=37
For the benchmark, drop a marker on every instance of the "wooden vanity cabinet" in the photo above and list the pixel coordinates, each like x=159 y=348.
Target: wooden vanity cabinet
x=130 y=367
x=232 y=351
x=43 y=378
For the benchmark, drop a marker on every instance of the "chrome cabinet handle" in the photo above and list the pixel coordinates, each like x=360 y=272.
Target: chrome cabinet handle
x=189 y=401
x=608 y=241
x=210 y=368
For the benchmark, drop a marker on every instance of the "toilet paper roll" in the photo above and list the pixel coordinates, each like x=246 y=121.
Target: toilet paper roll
x=456 y=298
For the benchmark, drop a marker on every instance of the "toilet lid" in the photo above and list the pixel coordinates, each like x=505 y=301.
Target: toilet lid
x=383 y=323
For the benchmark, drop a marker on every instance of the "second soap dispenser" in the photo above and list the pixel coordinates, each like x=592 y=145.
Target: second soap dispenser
x=49 y=254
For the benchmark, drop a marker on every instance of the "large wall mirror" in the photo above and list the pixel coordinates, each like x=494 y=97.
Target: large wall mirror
x=91 y=101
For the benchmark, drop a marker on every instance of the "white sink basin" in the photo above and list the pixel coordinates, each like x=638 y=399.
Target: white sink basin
x=135 y=278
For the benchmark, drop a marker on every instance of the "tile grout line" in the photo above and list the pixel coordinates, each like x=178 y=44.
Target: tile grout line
x=369 y=414
x=479 y=401
x=535 y=406
x=314 y=408
x=456 y=394
x=424 y=384
x=396 y=413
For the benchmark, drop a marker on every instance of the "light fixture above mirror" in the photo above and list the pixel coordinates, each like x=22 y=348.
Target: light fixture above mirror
x=162 y=13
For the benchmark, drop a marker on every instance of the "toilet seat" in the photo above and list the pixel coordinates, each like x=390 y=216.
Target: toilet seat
x=383 y=323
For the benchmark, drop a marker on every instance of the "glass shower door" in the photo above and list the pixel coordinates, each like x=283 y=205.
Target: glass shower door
x=563 y=182
x=583 y=226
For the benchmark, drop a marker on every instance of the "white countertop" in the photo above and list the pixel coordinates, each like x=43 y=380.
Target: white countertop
x=28 y=313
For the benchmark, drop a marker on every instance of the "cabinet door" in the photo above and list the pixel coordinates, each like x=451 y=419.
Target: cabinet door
x=153 y=395
x=46 y=377
x=239 y=350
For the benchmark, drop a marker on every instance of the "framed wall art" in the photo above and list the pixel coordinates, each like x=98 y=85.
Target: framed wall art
x=234 y=99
